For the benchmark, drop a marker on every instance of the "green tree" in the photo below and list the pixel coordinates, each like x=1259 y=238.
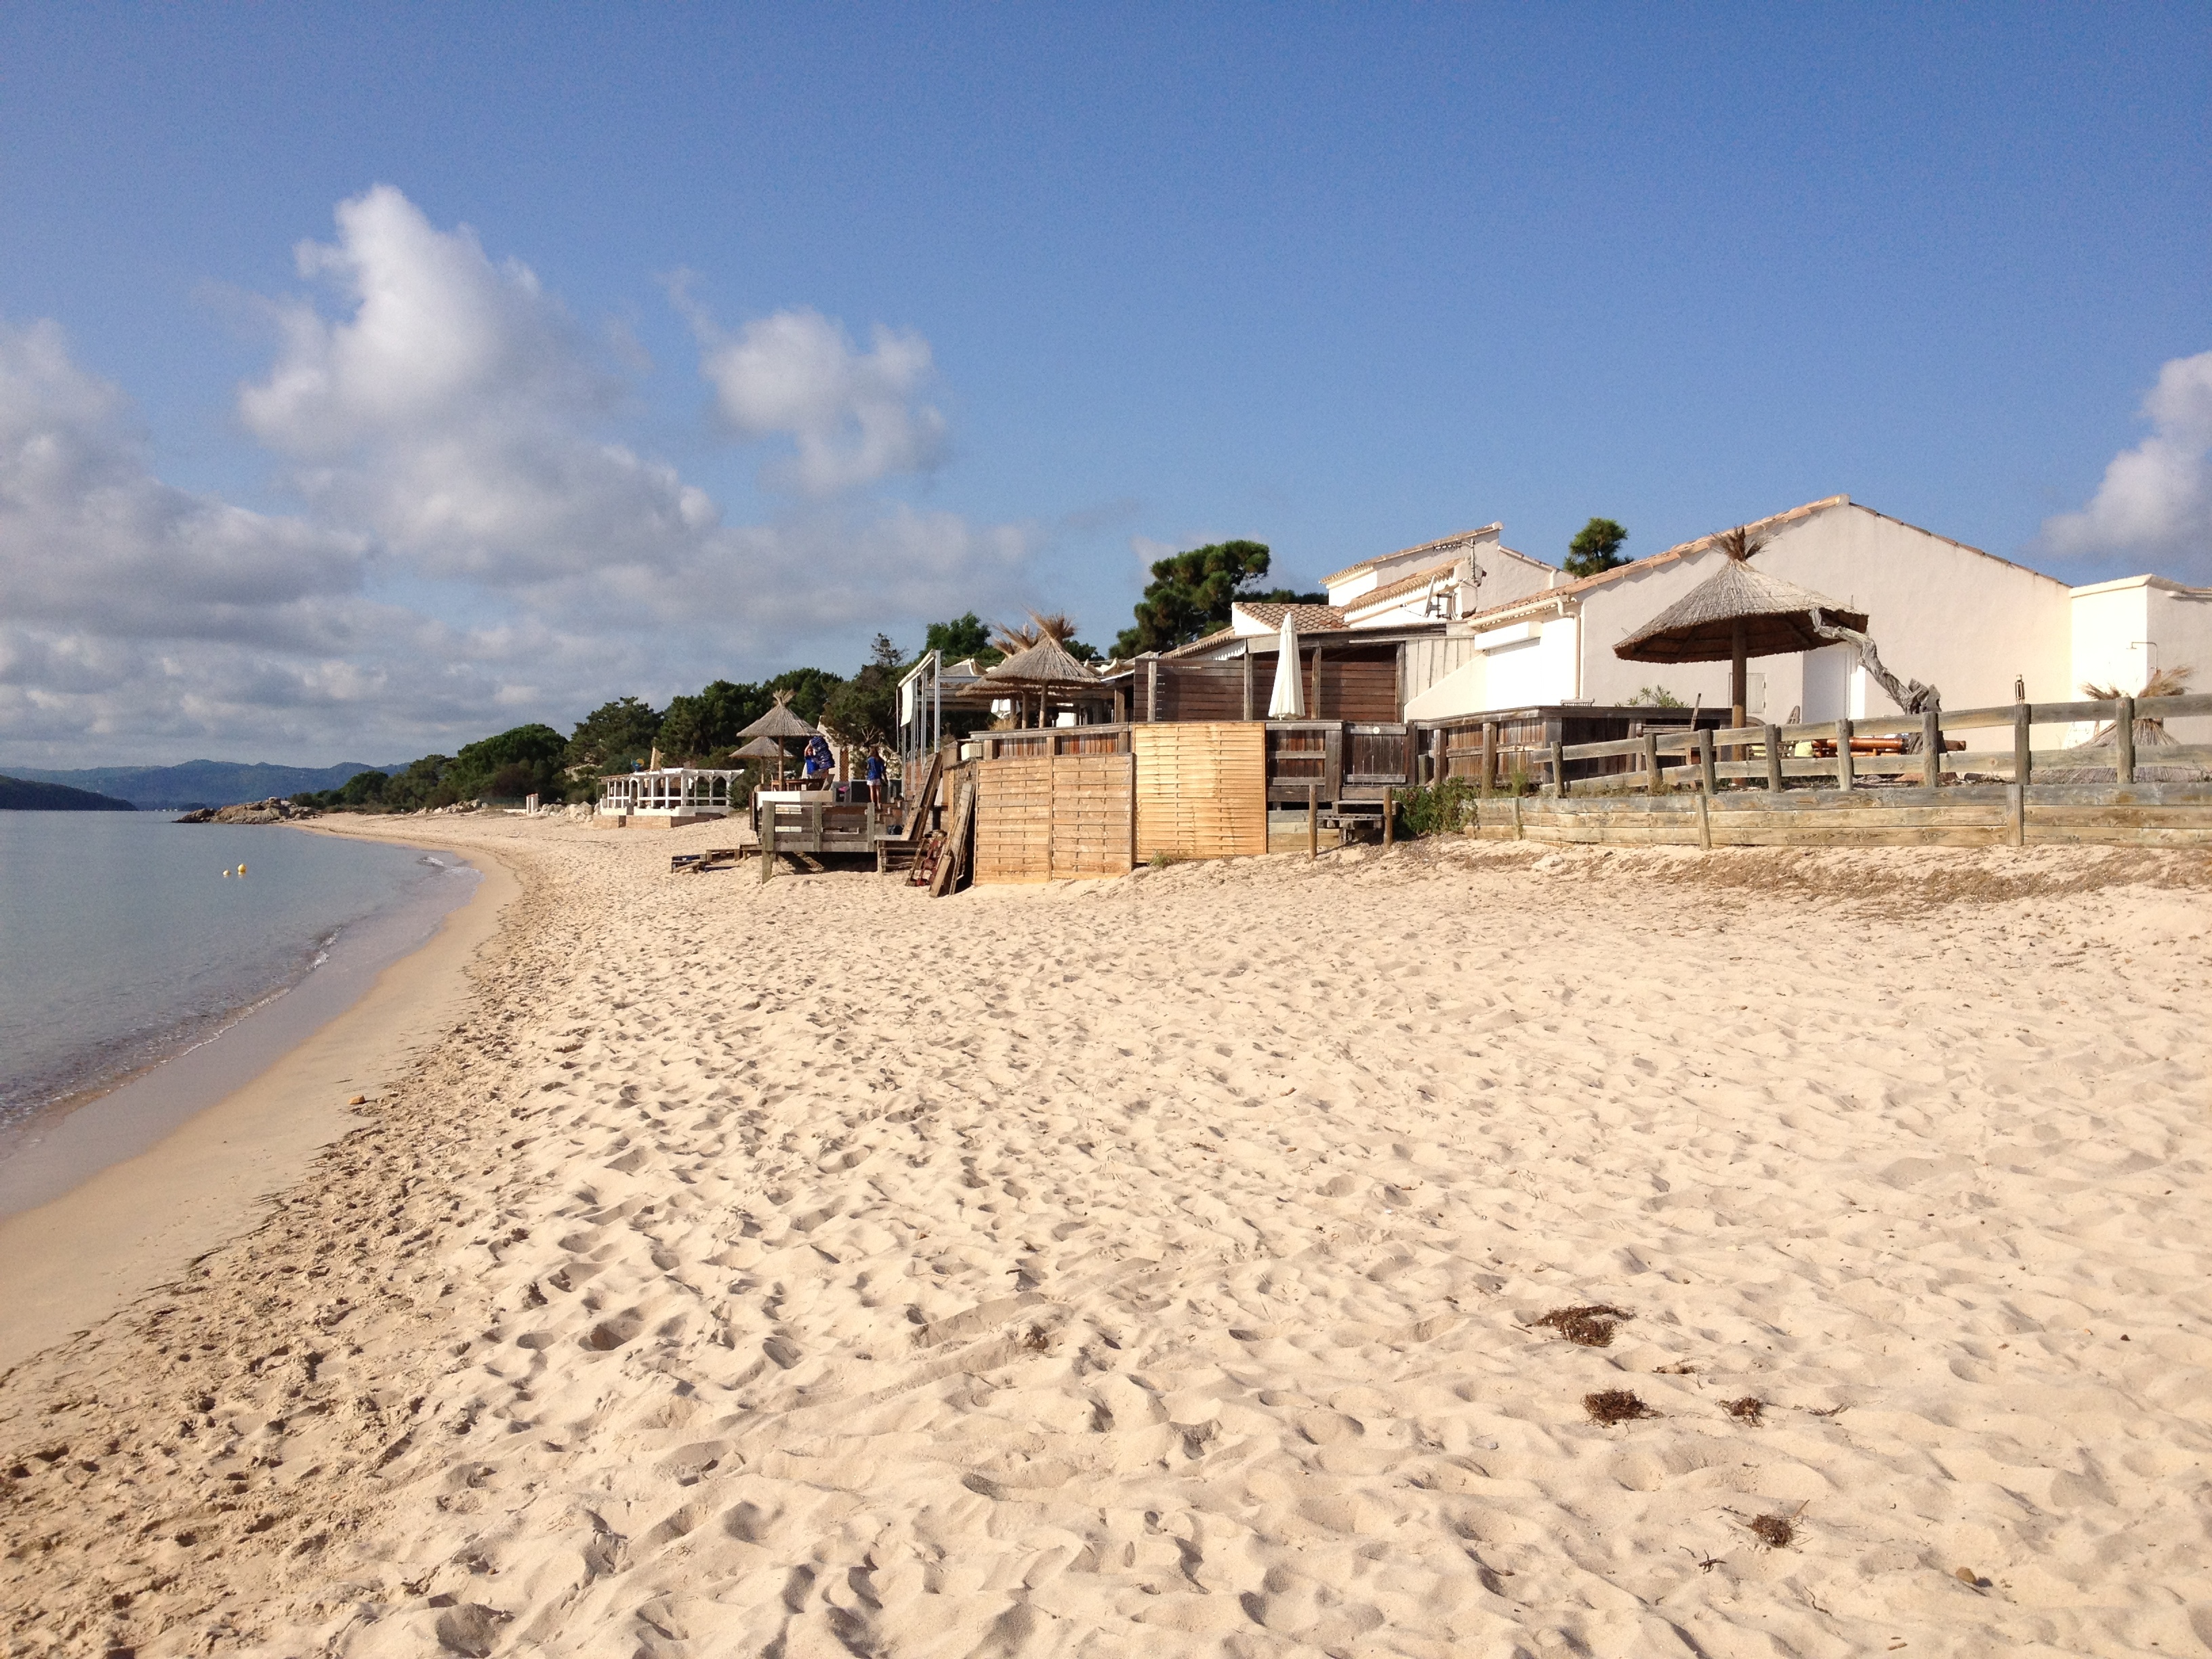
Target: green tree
x=810 y=688
x=864 y=709
x=962 y=638
x=410 y=790
x=1596 y=547
x=700 y=727
x=614 y=734
x=523 y=760
x=1190 y=594
x=363 y=789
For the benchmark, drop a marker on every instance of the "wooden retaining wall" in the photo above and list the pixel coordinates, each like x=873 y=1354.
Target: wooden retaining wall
x=1201 y=789
x=1972 y=815
x=1053 y=818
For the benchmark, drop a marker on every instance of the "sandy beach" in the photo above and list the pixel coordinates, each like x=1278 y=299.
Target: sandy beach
x=1160 y=1266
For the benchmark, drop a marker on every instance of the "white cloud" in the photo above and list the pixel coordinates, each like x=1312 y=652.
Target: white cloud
x=456 y=441
x=855 y=416
x=454 y=409
x=2155 y=502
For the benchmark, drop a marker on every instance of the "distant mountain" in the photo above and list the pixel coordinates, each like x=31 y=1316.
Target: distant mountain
x=29 y=795
x=197 y=783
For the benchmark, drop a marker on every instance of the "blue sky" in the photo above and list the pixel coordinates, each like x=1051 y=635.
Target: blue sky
x=779 y=327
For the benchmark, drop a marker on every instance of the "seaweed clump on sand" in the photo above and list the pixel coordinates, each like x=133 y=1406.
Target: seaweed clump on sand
x=1773 y=1531
x=1610 y=1406
x=1591 y=1326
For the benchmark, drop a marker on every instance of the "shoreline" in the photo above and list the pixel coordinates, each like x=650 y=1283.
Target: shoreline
x=81 y=1256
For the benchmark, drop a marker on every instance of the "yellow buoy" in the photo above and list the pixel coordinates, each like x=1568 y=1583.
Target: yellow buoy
x=226 y=872
x=242 y=869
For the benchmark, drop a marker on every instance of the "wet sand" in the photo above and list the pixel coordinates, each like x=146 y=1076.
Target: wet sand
x=123 y=1193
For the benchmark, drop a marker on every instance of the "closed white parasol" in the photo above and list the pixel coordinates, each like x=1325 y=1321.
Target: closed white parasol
x=1288 y=700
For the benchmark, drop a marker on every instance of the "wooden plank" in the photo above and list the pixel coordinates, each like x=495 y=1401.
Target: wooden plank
x=2123 y=741
x=2167 y=708
x=1200 y=790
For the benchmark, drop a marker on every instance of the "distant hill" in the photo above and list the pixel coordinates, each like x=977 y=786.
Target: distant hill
x=29 y=795
x=197 y=783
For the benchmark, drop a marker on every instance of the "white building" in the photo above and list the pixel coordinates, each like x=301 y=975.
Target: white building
x=1965 y=621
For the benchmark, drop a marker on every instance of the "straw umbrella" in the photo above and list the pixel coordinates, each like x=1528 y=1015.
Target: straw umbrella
x=1287 y=701
x=1042 y=668
x=764 y=749
x=779 y=722
x=1738 y=613
x=2149 y=732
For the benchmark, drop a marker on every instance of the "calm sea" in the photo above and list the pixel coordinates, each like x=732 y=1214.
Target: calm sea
x=123 y=944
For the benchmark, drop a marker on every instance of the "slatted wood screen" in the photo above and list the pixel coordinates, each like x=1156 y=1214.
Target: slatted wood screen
x=1201 y=789
x=1040 y=819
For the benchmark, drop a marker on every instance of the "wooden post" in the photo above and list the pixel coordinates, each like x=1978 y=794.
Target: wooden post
x=1652 y=786
x=767 y=838
x=1738 y=679
x=1705 y=819
x=1843 y=774
x=2018 y=827
x=2123 y=741
x=1152 y=687
x=1390 y=820
x=1711 y=778
x=2023 y=760
x=1248 y=680
x=1313 y=702
x=1313 y=820
x=1489 y=757
x=1931 y=747
x=1773 y=757
x=1518 y=832
x=1558 y=768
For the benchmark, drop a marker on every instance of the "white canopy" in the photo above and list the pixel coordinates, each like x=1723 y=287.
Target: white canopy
x=1288 y=701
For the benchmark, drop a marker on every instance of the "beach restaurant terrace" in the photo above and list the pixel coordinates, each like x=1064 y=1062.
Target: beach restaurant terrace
x=671 y=796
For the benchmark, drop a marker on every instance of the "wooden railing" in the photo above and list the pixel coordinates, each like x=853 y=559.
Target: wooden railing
x=1767 y=756
x=1036 y=741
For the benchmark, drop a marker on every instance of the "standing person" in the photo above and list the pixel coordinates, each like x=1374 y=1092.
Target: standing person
x=875 y=776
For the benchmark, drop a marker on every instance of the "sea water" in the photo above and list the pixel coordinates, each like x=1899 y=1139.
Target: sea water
x=128 y=940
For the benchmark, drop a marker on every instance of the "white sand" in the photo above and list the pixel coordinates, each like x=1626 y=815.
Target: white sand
x=816 y=1269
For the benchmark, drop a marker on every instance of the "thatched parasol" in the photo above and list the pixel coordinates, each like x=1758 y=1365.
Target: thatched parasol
x=1287 y=701
x=762 y=749
x=1041 y=668
x=1736 y=614
x=2100 y=752
x=779 y=722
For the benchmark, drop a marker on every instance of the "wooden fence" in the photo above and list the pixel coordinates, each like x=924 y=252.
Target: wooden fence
x=1921 y=747
x=1047 y=817
x=1201 y=790
x=1969 y=815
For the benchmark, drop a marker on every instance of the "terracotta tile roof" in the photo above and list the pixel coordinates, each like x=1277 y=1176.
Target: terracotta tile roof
x=1412 y=584
x=1310 y=618
x=1441 y=543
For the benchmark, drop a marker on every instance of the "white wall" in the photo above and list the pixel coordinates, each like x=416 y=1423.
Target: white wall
x=2123 y=630
x=1939 y=612
x=2181 y=630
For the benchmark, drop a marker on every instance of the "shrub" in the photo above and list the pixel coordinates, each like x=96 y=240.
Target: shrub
x=1437 y=809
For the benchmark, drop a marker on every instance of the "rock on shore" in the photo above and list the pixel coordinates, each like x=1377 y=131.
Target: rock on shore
x=275 y=810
